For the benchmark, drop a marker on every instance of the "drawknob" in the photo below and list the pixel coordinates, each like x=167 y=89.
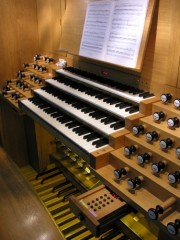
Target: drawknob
x=166 y=97
x=134 y=182
x=138 y=129
x=37 y=57
x=42 y=69
x=158 y=116
x=25 y=65
x=142 y=158
x=118 y=173
x=178 y=151
x=174 y=227
x=154 y=212
x=166 y=143
x=152 y=136
x=158 y=167
x=128 y=150
x=173 y=122
x=177 y=103
x=174 y=177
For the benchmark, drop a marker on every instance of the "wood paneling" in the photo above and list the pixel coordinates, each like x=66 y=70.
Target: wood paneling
x=72 y=25
x=49 y=15
x=18 y=36
x=162 y=50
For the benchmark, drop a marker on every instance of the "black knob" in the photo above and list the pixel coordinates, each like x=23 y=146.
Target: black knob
x=152 y=136
x=6 y=88
x=19 y=83
x=174 y=177
x=178 y=151
x=166 y=97
x=37 y=67
x=142 y=158
x=8 y=81
x=173 y=227
x=42 y=69
x=166 y=143
x=158 y=116
x=134 y=182
x=158 y=167
x=173 y=122
x=50 y=60
x=177 y=102
x=25 y=65
x=37 y=57
x=118 y=173
x=128 y=150
x=154 y=212
x=15 y=96
x=34 y=65
x=138 y=129
x=24 y=86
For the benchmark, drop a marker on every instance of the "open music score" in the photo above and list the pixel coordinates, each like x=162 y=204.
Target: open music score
x=116 y=31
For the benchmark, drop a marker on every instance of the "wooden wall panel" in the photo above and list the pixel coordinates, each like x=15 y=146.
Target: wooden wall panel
x=18 y=36
x=49 y=15
x=159 y=60
x=72 y=25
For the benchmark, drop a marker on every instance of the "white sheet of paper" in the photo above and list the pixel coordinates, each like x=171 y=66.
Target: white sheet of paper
x=113 y=31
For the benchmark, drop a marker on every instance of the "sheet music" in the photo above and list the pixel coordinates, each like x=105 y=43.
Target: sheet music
x=113 y=31
x=96 y=28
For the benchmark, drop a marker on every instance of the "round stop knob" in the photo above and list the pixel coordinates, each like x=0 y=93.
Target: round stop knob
x=173 y=122
x=166 y=143
x=166 y=97
x=174 y=177
x=129 y=150
x=158 y=116
x=158 y=167
x=138 y=129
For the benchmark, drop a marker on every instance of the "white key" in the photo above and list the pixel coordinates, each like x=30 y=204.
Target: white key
x=126 y=95
x=61 y=128
x=91 y=99
x=105 y=129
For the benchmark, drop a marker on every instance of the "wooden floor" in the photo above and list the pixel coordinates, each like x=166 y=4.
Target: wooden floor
x=22 y=215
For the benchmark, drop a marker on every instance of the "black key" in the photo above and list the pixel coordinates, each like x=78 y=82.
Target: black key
x=148 y=95
x=79 y=128
x=72 y=124
x=57 y=114
x=83 y=132
x=100 y=142
x=108 y=120
x=123 y=105
x=141 y=94
x=91 y=136
x=88 y=110
x=135 y=109
x=117 y=125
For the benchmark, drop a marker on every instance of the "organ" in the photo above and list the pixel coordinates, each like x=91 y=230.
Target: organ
x=105 y=136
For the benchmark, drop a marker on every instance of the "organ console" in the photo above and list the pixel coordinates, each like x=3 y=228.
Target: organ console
x=105 y=134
